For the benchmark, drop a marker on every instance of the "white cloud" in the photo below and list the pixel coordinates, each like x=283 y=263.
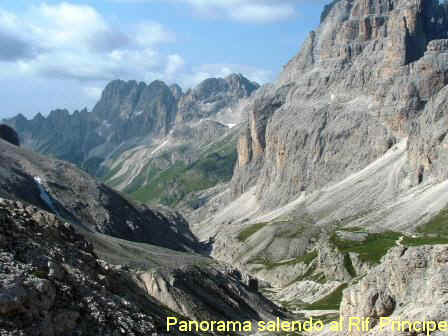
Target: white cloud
x=149 y=33
x=75 y=41
x=263 y=13
x=93 y=92
x=174 y=65
x=256 y=11
x=250 y=11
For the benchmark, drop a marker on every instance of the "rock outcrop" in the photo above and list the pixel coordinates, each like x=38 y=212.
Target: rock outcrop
x=7 y=133
x=180 y=290
x=410 y=284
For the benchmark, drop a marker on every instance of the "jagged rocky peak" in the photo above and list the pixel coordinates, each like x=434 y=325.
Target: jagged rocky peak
x=241 y=84
x=212 y=95
x=235 y=83
x=8 y=134
x=118 y=98
x=58 y=116
x=362 y=81
x=394 y=32
x=38 y=117
x=137 y=109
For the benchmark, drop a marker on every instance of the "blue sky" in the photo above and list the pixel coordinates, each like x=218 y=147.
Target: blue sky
x=57 y=54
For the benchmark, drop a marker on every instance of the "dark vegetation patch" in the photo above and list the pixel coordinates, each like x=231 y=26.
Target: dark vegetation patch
x=349 y=265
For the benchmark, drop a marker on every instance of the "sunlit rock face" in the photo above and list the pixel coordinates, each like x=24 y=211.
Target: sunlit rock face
x=371 y=74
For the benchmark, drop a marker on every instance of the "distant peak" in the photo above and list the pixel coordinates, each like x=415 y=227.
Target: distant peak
x=20 y=116
x=241 y=79
x=59 y=113
x=236 y=76
x=158 y=83
x=39 y=116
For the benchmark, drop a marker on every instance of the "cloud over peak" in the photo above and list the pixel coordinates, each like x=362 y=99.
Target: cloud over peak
x=75 y=49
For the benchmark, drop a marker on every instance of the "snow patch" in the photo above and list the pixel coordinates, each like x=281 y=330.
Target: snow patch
x=44 y=195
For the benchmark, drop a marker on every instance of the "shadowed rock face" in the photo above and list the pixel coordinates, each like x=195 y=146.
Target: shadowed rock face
x=79 y=198
x=371 y=74
x=7 y=133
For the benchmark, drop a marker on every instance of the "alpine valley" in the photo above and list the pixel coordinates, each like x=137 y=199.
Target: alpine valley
x=324 y=194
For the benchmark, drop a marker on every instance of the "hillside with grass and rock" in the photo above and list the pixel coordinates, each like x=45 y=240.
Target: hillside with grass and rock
x=323 y=194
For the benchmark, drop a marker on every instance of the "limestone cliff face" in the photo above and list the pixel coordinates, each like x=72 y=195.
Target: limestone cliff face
x=137 y=109
x=371 y=74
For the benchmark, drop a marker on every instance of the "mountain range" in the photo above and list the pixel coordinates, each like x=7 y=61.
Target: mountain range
x=323 y=194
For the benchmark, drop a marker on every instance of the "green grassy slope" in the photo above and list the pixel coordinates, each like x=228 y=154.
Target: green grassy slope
x=214 y=165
